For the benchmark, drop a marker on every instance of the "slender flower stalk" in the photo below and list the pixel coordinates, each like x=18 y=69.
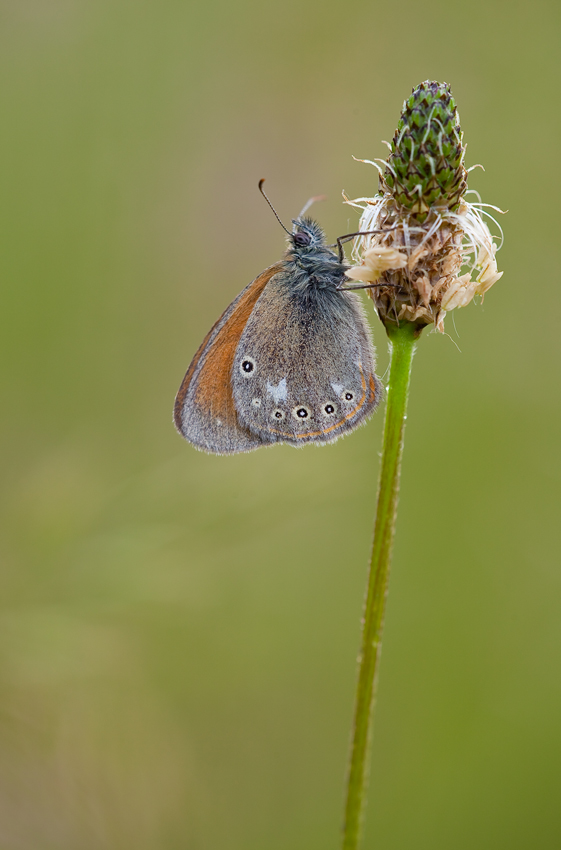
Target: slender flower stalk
x=431 y=252
x=402 y=344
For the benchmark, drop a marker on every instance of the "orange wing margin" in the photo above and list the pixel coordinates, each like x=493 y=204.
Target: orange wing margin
x=213 y=390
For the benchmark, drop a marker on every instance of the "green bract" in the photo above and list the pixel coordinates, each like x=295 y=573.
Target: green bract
x=426 y=165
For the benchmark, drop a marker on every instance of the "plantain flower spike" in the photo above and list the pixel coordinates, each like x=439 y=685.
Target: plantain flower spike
x=434 y=251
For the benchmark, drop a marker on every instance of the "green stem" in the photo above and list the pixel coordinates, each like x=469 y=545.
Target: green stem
x=402 y=345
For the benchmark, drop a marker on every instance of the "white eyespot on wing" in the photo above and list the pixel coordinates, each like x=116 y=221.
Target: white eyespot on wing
x=338 y=388
x=301 y=412
x=278 y=392
x=247 y=366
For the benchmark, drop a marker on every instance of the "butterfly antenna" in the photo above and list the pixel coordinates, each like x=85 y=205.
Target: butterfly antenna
x=272 y=207
x=309 y=203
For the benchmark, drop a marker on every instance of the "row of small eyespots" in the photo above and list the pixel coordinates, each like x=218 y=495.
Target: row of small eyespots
x=300 y=412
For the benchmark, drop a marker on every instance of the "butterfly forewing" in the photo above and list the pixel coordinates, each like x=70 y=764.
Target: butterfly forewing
x=204 y=411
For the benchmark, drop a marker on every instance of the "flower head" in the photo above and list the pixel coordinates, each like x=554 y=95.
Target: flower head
x=427 y=233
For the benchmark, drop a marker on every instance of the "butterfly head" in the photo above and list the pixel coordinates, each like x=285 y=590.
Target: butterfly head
x=306 y=235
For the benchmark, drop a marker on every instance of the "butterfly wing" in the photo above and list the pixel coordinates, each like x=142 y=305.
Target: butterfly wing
x=303 y=370
x=204 y=411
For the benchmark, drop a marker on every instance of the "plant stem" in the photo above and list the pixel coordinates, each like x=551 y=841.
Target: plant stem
x=402 y=345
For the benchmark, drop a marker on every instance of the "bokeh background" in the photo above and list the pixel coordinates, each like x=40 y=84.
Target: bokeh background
x=178 y=632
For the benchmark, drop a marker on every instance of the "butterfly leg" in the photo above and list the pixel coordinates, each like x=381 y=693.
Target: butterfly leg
x=348 y=236
x=366 y=286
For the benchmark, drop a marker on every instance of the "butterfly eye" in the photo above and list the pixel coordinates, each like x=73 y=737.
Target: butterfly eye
x=278 y=414
x=301 y=238
x=348 y=396
x=247 y=366
x=328 y=409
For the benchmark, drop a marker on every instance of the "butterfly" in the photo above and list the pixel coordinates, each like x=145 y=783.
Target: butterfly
x=291 y=360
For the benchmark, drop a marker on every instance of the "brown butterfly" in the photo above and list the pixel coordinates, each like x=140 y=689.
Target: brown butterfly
x=291 y=360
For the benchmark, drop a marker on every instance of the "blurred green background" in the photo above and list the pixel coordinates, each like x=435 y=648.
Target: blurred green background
x=178 y=632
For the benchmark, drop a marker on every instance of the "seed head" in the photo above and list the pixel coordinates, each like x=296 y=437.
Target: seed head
x=429 y=234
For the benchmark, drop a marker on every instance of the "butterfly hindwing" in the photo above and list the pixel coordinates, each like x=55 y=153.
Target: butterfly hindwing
x=303 y=370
